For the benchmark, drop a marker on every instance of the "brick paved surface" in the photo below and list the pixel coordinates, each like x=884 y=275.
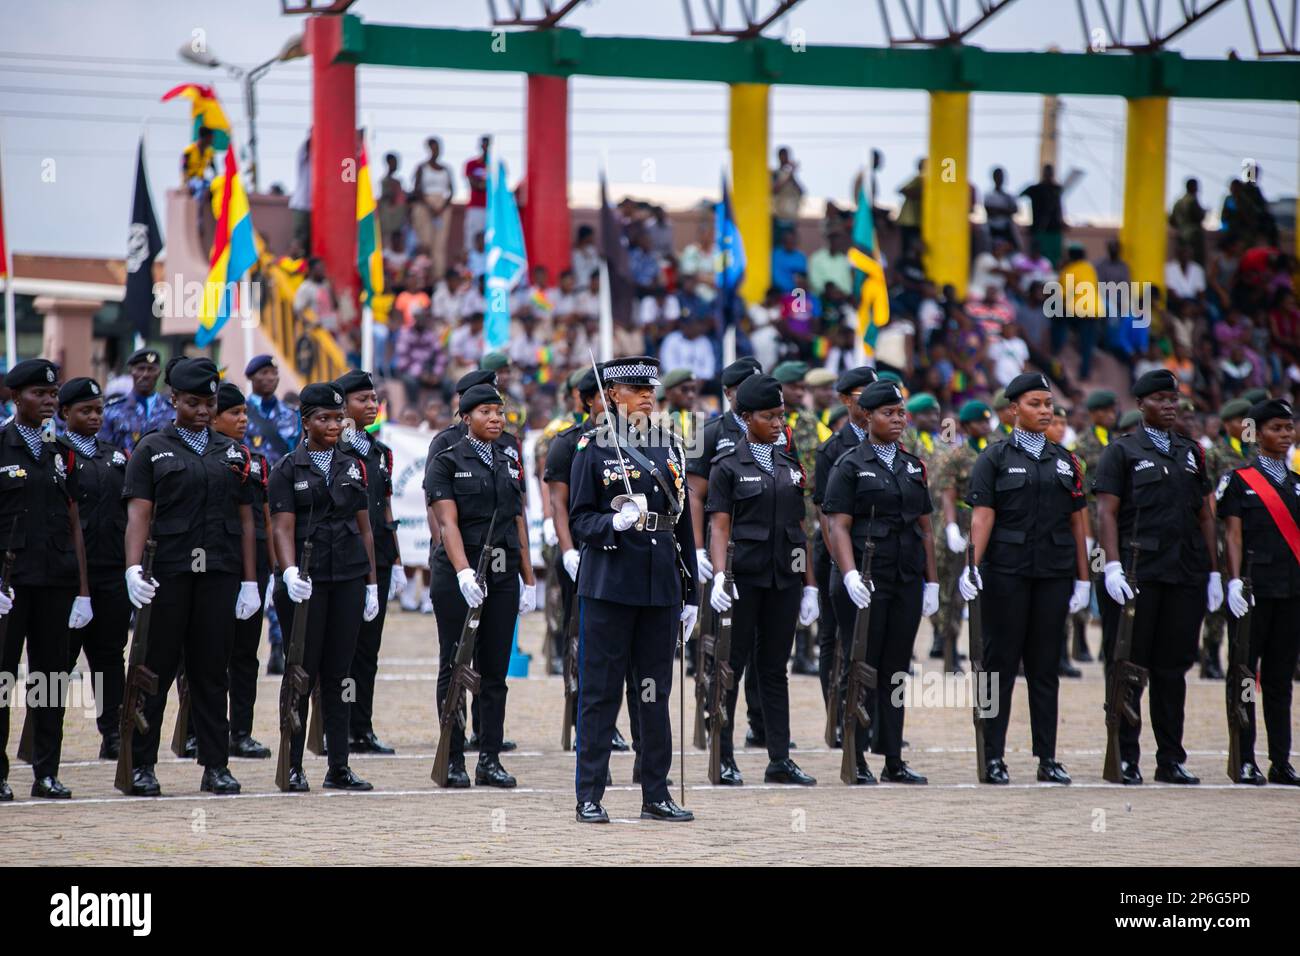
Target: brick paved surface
x=407 y=820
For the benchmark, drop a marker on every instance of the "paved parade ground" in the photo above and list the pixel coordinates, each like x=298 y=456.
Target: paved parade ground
x=409 y=820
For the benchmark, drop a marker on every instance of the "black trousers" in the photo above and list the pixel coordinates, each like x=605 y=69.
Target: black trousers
x=192 y=614
x=1274 y=648
x=826 y=621
x=762 y=631
x=570 y=604
x=104 y=641
x=243 y=658
x=1166 y=628
x=38 y=619
x=496 y=631
x=365 y=662
x=1024 y=619
x=333 y=620
x=611 y=635
x=895 y=617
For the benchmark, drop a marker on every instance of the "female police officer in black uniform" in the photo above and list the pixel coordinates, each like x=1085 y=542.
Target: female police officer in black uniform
x=189 y=484
x=880 y=475
x=468 y=483
x=316 y=492
x=1029 y=531
x=756 y=498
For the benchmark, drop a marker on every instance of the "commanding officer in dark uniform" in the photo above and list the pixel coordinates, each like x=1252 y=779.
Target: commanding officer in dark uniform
x=756 y=499
x=188 y=486
x=231 y=420
x=362 y=408
x=1260 y=506
x=131 y=417
x=100 y=470
x=316 y=492
x=1229 y=452
x=1157 y=480
x=1029 y=532
x=635 y=549
x=468 y=483
x=849 y=386
x=49 y=592
x=878 y=475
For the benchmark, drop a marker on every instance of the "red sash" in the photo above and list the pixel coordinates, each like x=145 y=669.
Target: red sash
x=1286 y=525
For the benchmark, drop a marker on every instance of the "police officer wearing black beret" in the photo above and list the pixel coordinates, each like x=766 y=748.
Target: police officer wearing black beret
x=361 y=410
x=469 y=483
x=101 y=470
x=1153 y=481
x=756 y=499
x=231 y=420
x=317 y=492
x=1260 y=507
x=878 y=474
x=630 y=515
x=49 y=593
x=1029 y=530
x=187 y=486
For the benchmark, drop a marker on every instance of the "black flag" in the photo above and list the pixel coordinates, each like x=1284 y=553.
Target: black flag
x=613 y=248
x=143 y=243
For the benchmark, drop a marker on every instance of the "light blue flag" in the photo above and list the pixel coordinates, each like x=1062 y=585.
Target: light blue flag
x=507 y=262
x=729 y=260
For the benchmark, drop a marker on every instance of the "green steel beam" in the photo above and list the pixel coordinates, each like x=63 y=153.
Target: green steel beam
x=566 y=52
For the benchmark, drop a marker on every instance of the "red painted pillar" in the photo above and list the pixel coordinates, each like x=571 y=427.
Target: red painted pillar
x=545 y=215
x=333 y=142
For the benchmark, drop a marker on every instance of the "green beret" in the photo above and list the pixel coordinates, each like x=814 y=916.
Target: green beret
x=922 y=402
x=890 y=377
x=494 y=361
x=1129 y=419
x=1059 y=411
x=818 y=377
x=974 y=411
x=790 y=373
x=575 y=377
x=1237 y=408
x=836 y=413
x=677 y=376
x=1185 y=404
x=1101 y=399
x=1255 y=395
x=1000 y=400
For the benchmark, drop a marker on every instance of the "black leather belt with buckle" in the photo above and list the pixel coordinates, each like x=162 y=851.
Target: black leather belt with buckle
x=657 y=522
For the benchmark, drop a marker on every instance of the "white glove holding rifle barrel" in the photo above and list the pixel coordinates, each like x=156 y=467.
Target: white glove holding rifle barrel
x=970 y=584
x=858 y=591
x=139 y=588
x=299 y=587
x=720 y=597
x=1117 y=585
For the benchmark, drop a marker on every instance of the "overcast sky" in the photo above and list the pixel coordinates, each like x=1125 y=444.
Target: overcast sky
x=78 y=78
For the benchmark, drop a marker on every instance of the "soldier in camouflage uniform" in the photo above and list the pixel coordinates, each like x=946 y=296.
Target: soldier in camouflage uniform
x=1006 y=417
x=516 y=414
x=949 y=476
x=1228 y=453
x=554 y=607
x=1102 y=412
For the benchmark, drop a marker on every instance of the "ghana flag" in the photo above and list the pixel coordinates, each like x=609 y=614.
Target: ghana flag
x=204 y=111
x=370 y=252
x=873 y=302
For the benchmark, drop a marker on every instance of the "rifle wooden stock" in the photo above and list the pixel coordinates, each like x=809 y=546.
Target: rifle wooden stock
x=862 y=677
x=570 y=670
x=182 y=729
x=975 y=623
x=704 y=645
x=140 y=681
x=293 y=685
x=316 y=724
x=1240 y=677
x=833 y=695
x=1126 y=678
x=722 y=679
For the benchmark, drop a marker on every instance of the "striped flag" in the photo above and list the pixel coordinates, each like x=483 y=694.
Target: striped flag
x=205 y=110
x=370 y=251
x=869 y=277
x=233 y=254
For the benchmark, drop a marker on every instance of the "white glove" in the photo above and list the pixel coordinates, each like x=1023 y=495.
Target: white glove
x=930 y=599
x=689 y=613
x=398 y=583
x=719 y=599
x=469 y=588
x=970 y=584
x=81 y=613
x=1214 y=592
x=956 y=543
x=859 y=593
x=138 y=589
x=1117 y=585
x=371 y=610
x=6 y=602
x=1237 y=603
x=299 y=588
x=704 y=567
x=527 y=597
x=548 y=532
x=627 y=516
x=810 y=606
x=270 y=588
x=248 y=602
x=1082 y=594
x=570 y=560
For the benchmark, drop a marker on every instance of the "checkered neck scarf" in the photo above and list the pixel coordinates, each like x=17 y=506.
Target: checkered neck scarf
x=886 y=452
x=1030 y=442
x=762 y=455
x=860 y=432
x=361 y=442
x=1275 y=468
x=33 y=438
x=196 y=439
x=86 y=446
x=481 y=448
x=744 y=430
x=323 y=460
x=1158 y=438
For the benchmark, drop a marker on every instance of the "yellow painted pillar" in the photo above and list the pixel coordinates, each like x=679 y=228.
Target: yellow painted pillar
x=751 y=188
x=945 y=196
x=1143 y=235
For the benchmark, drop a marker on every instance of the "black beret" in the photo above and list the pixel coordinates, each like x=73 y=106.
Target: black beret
x=1157 y=380
x=1027 y=382
x=228 y=396
x=480 y=376
x=739 y=370
x=478 y=395
x=79 y=390
x=355 y=381
x=880 y=393
x=257 y=363
x=37 y=371
x=198 y=376
x=758 y=392
x=320 y=395
x=1262 y=412
x=145 y=356
x=855 y=378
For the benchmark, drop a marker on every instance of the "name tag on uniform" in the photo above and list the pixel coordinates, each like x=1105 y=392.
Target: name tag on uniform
x=161 y=454
x=300 y=486
x=866 y=474
x=1016 y=471
x=1143 y=465
x=725 y=443
x=750 y=478
x=463 y=474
